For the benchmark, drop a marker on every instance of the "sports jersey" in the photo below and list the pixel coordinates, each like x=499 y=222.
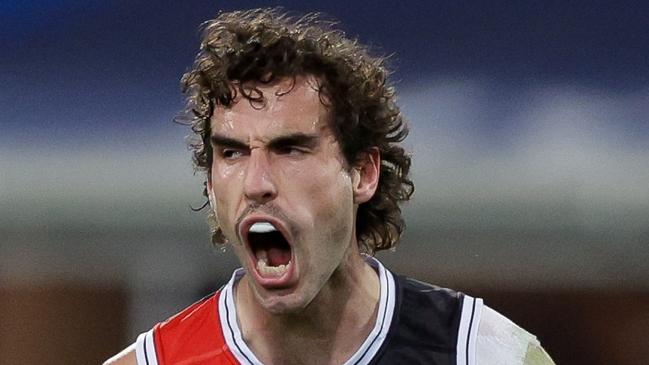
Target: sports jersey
x=416 y=323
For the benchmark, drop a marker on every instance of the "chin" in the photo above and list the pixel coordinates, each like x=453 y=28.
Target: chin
x=283 y=304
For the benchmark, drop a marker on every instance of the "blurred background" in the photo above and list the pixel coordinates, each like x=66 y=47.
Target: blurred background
x=529 y=129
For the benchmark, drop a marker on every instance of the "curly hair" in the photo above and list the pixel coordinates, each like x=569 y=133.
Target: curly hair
x=243 y=47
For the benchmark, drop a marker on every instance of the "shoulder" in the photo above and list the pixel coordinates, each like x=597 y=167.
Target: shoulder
x=427 y=295
x=447 y=317
x=501 y=341
x=427 y=315
x=125 y=357
x=169 y=339
x=203 y=310
x=195 y=328
x=427 y=302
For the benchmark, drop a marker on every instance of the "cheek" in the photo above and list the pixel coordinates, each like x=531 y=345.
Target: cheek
x=225 y=187
x=226 y=181
x=334 y=223
x=223 y=171
x=342 y=208
x=324 y=199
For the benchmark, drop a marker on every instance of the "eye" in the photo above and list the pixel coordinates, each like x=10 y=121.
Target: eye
x=231 y=153
x=291 y=150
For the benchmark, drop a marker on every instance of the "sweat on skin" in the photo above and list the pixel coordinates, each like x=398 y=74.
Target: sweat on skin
x=282 y=165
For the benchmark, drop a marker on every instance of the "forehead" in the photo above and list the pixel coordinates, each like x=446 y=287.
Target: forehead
x=289 y=105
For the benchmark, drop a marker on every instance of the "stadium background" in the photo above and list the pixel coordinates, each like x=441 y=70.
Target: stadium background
x=530 y=134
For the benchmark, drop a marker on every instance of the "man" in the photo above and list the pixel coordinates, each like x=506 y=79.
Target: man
x=299 y=138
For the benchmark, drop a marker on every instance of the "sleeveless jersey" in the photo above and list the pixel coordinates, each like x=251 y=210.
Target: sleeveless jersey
x=417 y=323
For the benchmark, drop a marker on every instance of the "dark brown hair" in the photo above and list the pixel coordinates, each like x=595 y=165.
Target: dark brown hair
x=264 y=45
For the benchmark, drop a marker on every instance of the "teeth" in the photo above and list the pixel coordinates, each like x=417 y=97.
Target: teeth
x=265 y=270
x=262 y=227
x=274 y=271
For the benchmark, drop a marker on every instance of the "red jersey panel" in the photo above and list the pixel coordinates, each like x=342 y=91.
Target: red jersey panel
x=193 y=337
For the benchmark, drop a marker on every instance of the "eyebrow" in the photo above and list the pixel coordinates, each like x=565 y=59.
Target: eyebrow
x=223 y=141
x=293 y=139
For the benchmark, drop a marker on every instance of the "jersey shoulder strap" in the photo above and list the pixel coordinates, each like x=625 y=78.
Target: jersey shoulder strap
x=193 y=336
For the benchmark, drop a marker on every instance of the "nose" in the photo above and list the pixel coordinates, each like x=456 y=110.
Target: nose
x=258 y=186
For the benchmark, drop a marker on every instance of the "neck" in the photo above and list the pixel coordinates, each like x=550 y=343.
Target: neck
x=327 y=331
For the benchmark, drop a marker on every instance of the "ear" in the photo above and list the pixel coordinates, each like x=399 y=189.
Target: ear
x=365 y=175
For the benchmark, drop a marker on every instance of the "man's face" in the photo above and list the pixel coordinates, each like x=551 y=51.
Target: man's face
x=282 y=193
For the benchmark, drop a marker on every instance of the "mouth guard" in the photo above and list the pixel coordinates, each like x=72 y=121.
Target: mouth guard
x=262 y=227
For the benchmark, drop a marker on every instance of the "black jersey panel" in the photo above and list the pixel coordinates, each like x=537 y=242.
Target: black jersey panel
x=425 y=325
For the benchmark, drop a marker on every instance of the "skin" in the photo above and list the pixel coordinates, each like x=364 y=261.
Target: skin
x=125 y=357
x=328 y=308
x=309 y=187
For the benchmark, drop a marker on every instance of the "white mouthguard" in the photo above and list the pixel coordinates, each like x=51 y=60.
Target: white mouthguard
x=262 y=227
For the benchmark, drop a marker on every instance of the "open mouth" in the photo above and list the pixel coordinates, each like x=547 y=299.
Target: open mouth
x=270 y=249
